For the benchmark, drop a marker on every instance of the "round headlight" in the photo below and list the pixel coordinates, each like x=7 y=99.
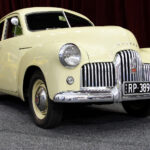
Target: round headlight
x=70 y=55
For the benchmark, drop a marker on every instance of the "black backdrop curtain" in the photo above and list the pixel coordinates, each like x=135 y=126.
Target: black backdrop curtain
x=131 y=14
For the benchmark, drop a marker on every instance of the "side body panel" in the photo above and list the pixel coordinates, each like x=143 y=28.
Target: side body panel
x=10 y=59
x=9 y=62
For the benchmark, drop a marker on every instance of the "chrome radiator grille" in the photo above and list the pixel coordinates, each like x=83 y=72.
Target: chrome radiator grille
x=130 y=60
x=146 y=72
x=98 y=75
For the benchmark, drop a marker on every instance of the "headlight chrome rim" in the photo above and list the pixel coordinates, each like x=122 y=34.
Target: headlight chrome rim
x=76 y=55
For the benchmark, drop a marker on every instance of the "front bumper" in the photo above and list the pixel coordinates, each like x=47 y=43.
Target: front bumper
x=96 y=95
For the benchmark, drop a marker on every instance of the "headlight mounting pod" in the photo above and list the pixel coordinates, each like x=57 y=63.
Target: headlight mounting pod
x=70 y=55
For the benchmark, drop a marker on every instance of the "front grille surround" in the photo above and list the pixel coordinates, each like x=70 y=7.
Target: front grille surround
x=104 y=74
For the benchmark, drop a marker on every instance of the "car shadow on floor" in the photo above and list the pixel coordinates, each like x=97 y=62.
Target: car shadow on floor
x=76 y=115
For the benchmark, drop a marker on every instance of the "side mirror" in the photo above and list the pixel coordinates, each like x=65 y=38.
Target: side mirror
x=15 y=21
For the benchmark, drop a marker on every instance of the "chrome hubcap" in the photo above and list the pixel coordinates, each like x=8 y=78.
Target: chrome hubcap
x=41 y=99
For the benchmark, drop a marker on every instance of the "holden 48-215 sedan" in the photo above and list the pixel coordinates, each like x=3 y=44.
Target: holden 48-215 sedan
x=52 y=56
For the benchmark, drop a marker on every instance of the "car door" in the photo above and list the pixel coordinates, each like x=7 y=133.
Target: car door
x=10 y=55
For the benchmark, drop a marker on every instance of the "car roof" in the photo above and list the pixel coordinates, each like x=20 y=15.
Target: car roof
x=25 y=11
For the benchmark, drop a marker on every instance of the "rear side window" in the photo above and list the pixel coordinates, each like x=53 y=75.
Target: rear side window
x=1 y=30
x=76 y=21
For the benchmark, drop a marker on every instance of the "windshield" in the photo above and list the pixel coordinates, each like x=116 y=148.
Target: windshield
x=53 y=20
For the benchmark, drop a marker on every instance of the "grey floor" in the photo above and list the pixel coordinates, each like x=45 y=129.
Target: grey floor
x=93 y=127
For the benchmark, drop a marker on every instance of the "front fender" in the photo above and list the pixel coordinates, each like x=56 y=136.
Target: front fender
x=145 y=55
x=54 y=72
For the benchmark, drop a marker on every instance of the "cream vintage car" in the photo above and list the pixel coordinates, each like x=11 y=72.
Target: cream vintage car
x=51 y=56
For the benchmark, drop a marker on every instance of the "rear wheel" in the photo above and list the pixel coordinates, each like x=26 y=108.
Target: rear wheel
x=45 y=112
x=138 y=108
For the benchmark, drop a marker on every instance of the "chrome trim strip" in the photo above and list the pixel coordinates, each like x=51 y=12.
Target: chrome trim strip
x=22 y=48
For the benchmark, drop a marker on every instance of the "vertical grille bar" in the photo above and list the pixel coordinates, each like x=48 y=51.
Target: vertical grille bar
x=102 y=69
x=112 y=75
x=123 y=68
x=109 y=74
x=127 y=74
x=129 y=59
x=92 y=74
x=99 y=75
x=105 y=74
x=89 y=77
x=132 y=55
x=146 y=72
x=96 y=80
x=85 y=76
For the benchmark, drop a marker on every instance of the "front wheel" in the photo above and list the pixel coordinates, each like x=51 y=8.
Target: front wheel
x=45 y=112
x=139 y=108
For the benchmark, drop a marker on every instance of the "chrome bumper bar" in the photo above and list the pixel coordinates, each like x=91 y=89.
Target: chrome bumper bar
x=94 y=95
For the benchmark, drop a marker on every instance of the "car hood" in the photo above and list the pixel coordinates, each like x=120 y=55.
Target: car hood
x=100 y=43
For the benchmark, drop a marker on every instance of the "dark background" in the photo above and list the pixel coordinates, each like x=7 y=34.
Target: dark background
x=131 y=14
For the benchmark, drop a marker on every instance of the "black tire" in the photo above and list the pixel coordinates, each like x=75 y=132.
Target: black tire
x=139 y=108
x=54 y=112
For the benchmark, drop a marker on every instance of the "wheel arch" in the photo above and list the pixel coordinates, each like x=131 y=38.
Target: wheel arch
x=26 y=80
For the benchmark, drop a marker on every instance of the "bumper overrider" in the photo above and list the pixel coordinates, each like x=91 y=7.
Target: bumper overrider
x=104 y=82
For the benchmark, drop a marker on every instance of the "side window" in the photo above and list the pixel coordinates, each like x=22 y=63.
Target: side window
x=13 y=28
x=1 y=30
x=76 y=21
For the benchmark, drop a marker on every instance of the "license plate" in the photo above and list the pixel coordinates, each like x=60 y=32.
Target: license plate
x=136 y=88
